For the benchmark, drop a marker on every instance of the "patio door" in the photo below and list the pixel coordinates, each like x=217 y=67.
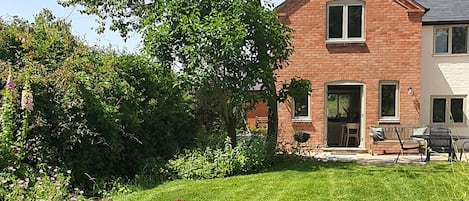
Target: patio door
x=343 y=107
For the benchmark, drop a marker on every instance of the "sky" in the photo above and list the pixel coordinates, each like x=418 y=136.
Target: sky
x=82 y=25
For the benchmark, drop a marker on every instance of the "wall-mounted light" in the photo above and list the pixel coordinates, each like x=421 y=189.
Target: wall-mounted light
x=410 y=91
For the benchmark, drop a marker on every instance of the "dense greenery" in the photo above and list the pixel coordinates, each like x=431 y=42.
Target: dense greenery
x=291 y=179
x=97 y=112
x=225 y=47
x=247 y=157
x=108 y=116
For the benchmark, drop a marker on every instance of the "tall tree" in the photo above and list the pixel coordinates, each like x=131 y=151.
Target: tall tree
x=228 y=46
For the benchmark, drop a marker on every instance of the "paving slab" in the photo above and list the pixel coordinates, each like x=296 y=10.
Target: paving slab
x=388 y=159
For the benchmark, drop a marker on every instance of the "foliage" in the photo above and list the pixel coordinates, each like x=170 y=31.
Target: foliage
x=100 y=113
x=297 y=88
x=8 y=145
x=48 y=183
x=248 y=156
x=225 y=47
x=292 y=178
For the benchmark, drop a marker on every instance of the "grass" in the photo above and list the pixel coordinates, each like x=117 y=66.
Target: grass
x=292 y=179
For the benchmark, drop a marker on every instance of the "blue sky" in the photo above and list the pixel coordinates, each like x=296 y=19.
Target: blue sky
x=82 y=25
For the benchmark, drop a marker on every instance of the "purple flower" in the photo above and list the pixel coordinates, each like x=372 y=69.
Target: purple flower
x=10 y=84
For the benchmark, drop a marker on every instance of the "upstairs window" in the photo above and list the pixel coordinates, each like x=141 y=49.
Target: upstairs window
x=345 y=21
x=451 y=40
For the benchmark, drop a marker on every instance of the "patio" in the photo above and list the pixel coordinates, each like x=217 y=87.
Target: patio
x=388 y=159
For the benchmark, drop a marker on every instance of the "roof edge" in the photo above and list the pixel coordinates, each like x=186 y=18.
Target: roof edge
x=446 y=22
x=411 y=6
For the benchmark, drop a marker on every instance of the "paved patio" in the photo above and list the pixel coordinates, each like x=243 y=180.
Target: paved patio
x=388 y=159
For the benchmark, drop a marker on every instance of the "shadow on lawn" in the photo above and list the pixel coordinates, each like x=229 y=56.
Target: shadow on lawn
x=308 y=164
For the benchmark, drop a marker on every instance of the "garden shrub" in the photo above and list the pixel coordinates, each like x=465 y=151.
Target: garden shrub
x=40 y=183
x=97 y=112
x=248 y=156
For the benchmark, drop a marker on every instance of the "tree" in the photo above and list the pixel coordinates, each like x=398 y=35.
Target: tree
x=227 y=46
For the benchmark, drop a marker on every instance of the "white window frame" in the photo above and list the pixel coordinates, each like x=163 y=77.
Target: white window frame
x=301 y=118
x=448 y=119
x=394 y=118
x=450 y=40
x=345 y=38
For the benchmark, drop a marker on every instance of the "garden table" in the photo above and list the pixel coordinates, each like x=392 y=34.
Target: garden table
x=451 y=139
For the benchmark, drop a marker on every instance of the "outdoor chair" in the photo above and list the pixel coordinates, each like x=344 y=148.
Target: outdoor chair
x=441 y=144
x=463 y=149
x=404 y=148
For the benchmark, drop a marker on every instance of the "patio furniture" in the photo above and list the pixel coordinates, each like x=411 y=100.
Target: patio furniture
x=404 y=148
x=441 y=140
x=463 y=148
x=384 y=139
x=353 y=131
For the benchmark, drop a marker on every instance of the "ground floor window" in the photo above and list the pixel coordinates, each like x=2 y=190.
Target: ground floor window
x=448 y=109
x=301 y=107
x=388 y=101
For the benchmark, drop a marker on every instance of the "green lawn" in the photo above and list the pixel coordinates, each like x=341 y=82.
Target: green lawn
x=292 y=179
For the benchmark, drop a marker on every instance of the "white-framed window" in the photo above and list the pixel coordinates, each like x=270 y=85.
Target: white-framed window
x=345 y=21
x=389 y=101
x=451 y=39
x=302 y=108
x=448 y=109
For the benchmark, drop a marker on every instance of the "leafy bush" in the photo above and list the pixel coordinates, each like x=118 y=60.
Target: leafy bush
x=97 y=112
x=248 y=156
x=48 y=183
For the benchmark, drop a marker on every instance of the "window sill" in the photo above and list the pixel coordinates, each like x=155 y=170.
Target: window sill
x=389 y=121
x=350 y=41
x=450 y=55
x=301 y=120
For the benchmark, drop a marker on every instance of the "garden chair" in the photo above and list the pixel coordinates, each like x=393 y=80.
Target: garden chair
x=404 y=148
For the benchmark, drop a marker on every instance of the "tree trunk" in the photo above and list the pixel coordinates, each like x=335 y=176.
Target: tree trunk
x=231 y=129
x=272 y=125
x=229 y=119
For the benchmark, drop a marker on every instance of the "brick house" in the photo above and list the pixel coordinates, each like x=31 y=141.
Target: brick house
x=363 y=59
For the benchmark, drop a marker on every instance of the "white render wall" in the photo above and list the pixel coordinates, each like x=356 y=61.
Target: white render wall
x=442 y=75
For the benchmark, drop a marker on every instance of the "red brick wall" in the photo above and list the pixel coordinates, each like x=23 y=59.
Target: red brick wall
x=392 y=51
x=260 y=110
